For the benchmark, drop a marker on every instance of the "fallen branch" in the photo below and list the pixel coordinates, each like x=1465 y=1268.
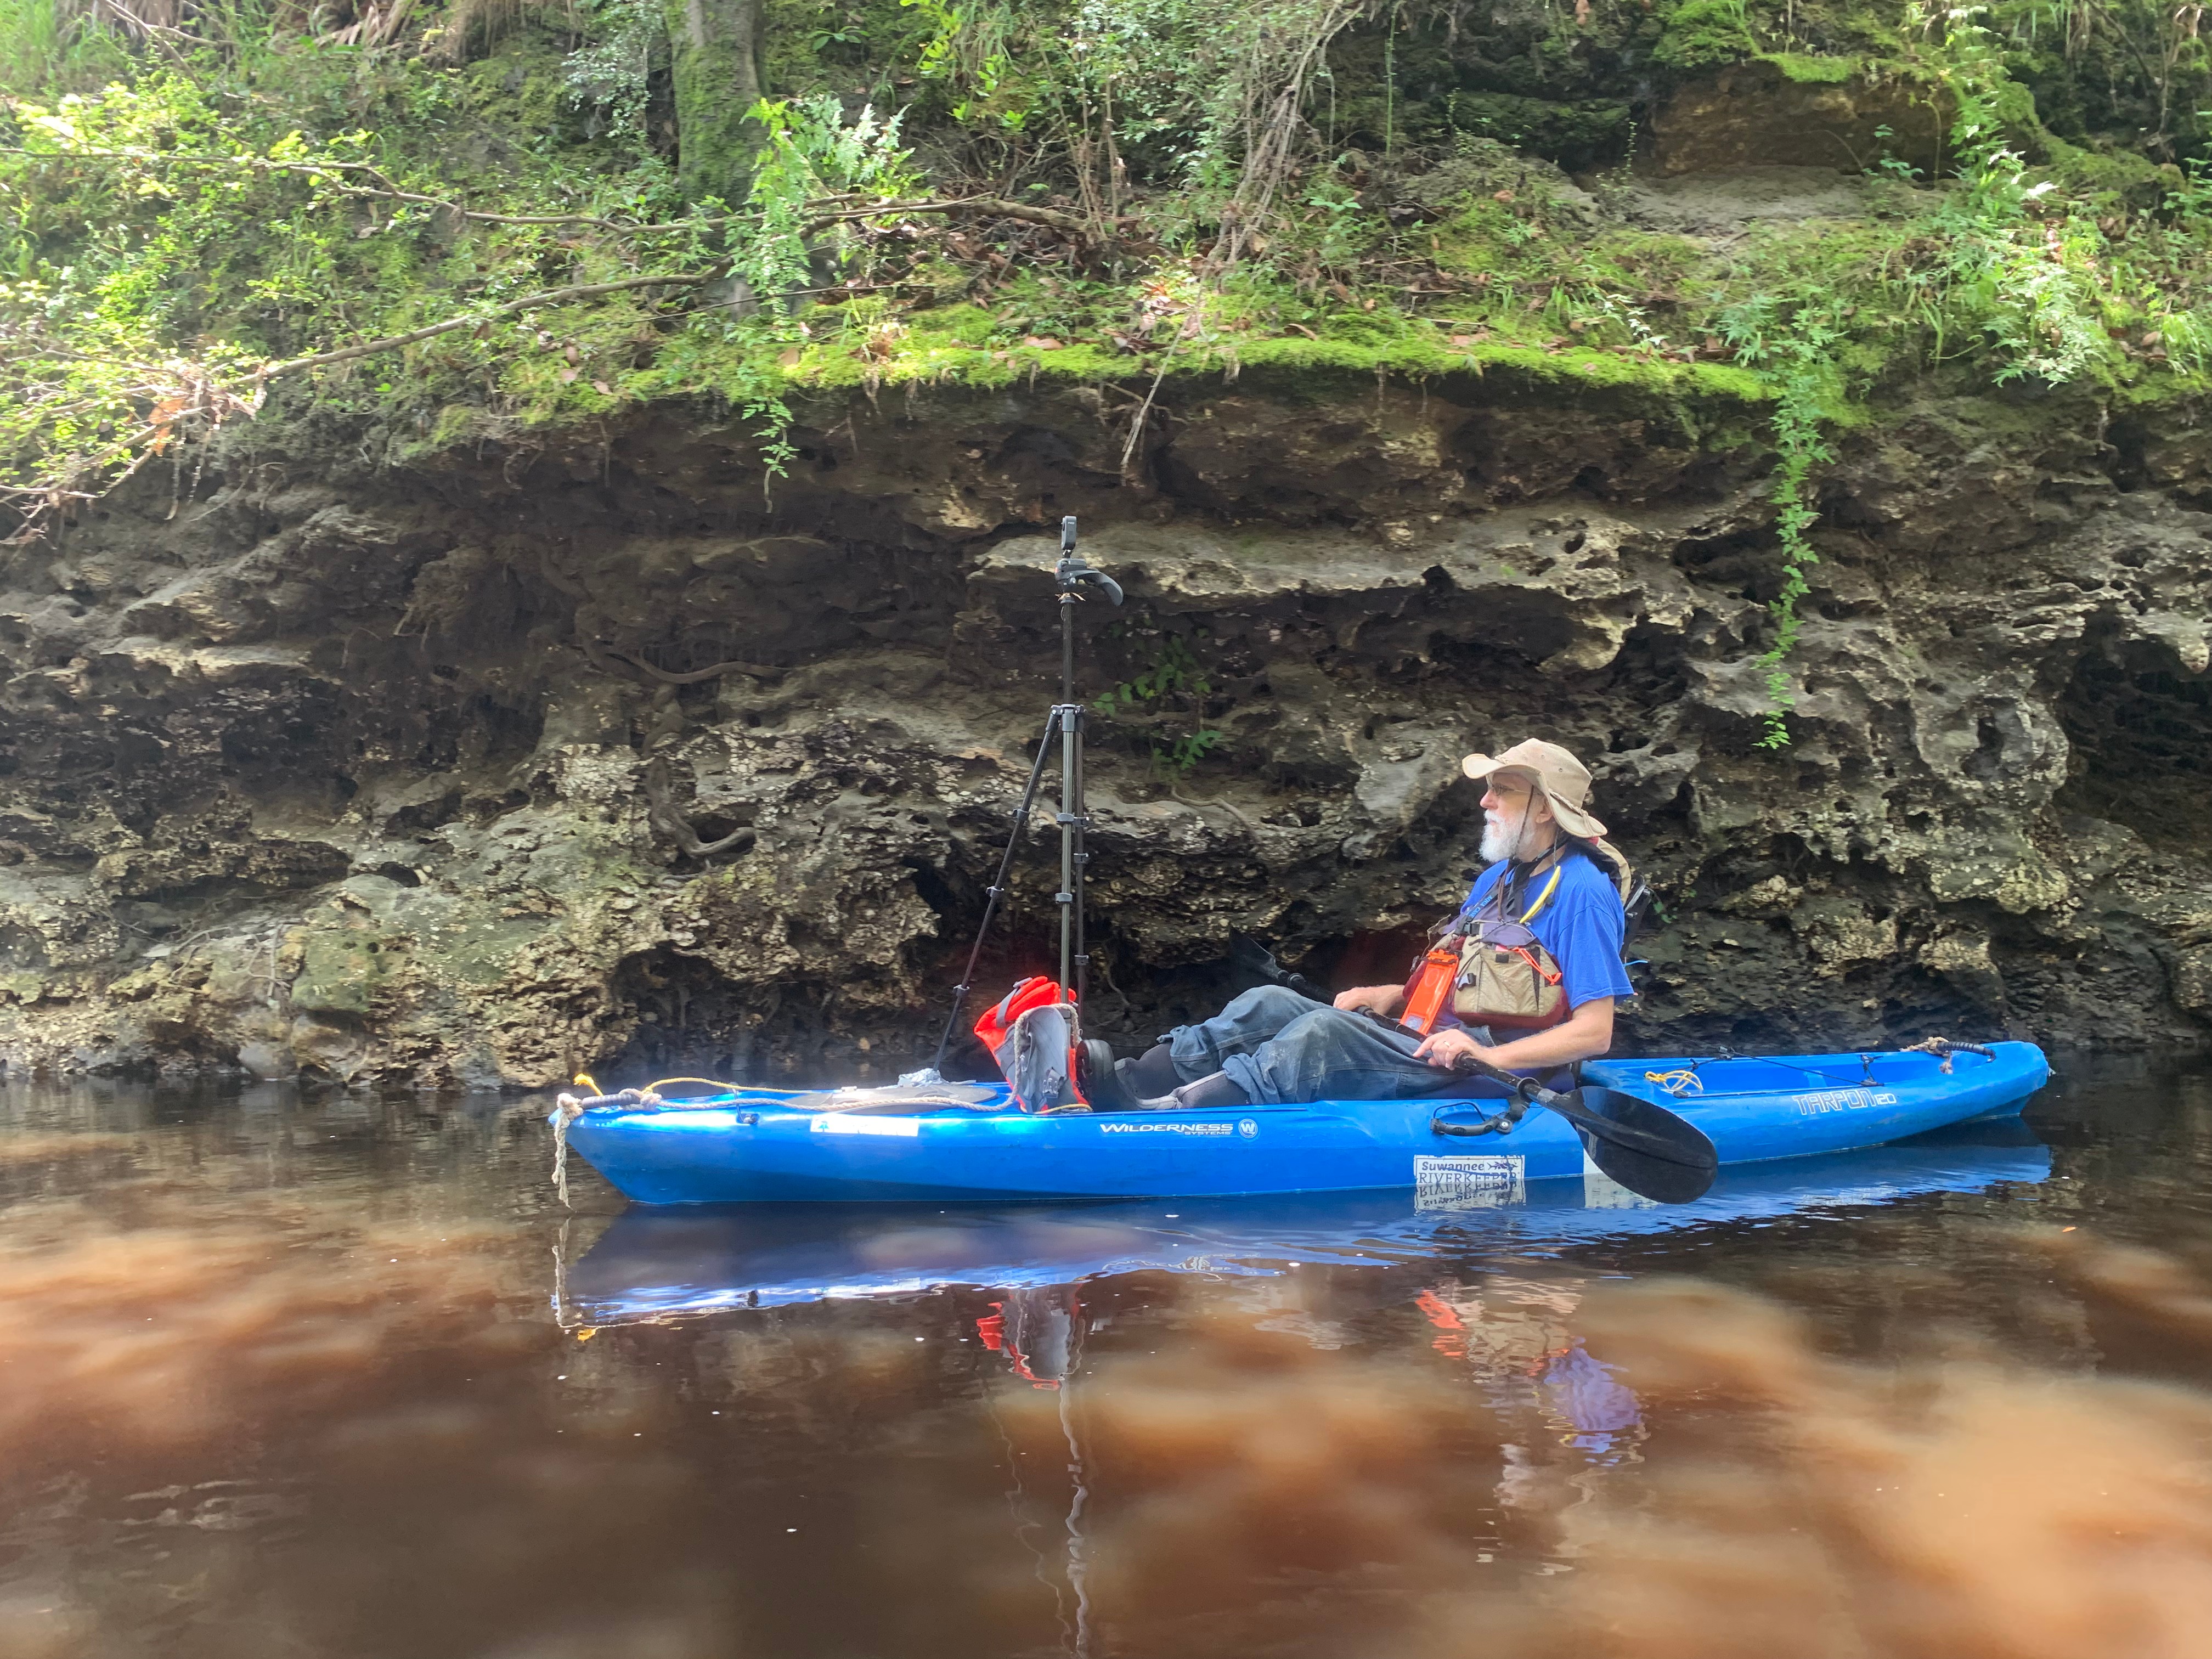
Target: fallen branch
x=389 y=188
x=440 y=203
x=551 y=296
x=988 y=207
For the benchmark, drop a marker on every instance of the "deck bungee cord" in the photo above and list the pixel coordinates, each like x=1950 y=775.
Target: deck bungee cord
x=1945 y=1049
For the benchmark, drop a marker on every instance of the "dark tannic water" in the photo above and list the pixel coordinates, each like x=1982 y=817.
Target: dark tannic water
x=306 y=1376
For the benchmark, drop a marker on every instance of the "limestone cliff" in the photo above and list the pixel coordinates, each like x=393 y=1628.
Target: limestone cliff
x=391 y=775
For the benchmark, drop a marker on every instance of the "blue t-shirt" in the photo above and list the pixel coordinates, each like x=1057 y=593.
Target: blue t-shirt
x=1582 y=925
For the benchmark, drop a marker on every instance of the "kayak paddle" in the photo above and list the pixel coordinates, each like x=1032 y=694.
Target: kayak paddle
x=1651 y=1150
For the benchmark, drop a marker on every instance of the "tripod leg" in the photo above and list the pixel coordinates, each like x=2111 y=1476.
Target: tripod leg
x=1071 y=783
x=1082 y=853
x=998 y=888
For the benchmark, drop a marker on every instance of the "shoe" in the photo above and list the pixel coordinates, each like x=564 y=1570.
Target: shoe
x=1216 y=1092
x=1098 y=1075
x=1151 y=1073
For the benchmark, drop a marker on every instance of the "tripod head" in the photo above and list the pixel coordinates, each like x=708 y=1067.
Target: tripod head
x=1073 y=574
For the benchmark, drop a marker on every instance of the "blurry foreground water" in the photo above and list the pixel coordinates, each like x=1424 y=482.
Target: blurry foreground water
x=317 y=1375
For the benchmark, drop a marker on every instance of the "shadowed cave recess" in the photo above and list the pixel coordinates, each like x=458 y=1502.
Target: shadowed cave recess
x=597 y=754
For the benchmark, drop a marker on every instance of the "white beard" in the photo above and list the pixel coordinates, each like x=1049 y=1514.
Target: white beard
x=1504 y=840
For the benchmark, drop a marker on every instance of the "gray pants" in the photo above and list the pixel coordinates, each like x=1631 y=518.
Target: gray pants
x=1278 y=1048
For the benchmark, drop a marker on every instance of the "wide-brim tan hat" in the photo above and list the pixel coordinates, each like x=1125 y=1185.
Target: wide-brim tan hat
x=1565 y=780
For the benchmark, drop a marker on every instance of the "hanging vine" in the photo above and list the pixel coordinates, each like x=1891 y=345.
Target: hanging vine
x=1795 y=343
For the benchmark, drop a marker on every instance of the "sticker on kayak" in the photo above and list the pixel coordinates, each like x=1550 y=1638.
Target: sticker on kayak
x=1468 y=1183
x=1840 y=1100
x=853 y=1123
x=1171 y=1129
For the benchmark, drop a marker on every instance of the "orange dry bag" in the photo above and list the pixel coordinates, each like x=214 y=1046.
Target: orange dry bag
x=1430 y=988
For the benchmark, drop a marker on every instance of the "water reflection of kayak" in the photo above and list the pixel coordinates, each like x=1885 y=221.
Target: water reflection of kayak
x=655 y=1263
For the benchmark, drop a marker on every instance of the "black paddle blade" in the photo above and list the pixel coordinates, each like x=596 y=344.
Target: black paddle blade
x=1651 y=1150
x=1256 y=959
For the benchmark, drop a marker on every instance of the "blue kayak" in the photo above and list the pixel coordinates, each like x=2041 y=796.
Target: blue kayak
x=653 y=1264
x=764 y=1146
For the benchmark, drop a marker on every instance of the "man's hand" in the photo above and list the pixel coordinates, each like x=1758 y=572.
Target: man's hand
x=1383 y=999
x=1444 y=1047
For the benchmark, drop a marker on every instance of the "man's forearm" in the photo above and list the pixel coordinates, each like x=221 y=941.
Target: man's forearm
x=1586 y=1035
x=1384 y=1000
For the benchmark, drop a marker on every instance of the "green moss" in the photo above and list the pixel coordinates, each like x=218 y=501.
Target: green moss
x=1812 y=71
x=715 y=70
x=454 y=424
x=1359 y=347
x=2111 y=180
x=923 y=357
x=519 y=89
x=342 y=970
x=957 y=325
x=1700 y=34
x=1641 y=259
x=481 y=950
x=1503 y=241
x=948 y=348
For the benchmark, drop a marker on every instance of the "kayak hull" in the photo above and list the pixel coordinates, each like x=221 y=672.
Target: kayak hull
x=753 y=1147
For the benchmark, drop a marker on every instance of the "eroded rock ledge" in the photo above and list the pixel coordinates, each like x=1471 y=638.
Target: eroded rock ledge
x=390 y=777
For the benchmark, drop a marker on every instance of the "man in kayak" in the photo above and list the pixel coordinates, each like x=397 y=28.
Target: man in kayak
x=1541 y=935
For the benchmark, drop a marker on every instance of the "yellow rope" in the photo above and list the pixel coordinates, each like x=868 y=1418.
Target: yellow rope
x=1680 y=1081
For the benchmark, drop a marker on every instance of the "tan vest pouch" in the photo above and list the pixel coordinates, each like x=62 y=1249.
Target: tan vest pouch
x=1506 y=978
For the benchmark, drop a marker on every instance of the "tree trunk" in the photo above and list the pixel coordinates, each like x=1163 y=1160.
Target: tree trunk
x=715 y=58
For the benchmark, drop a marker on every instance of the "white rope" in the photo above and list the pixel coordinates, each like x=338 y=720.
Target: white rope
x=566 y=1110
